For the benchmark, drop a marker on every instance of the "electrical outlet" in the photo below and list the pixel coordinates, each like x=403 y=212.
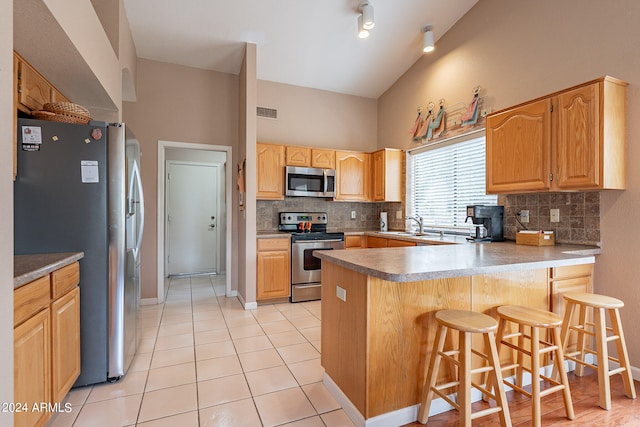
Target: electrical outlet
x=555 y=215
x=341 y=293
x=353 y=214
x=398 y=214
x=524 y=216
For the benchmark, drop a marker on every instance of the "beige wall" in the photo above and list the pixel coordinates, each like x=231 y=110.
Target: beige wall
x=181 y=104
x=6 y=201
x=317 y=118
x=520 y=50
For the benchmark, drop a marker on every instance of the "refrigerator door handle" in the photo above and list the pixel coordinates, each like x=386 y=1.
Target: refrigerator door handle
x=137 y=181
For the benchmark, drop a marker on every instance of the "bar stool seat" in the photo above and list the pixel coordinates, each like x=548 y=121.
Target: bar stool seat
x=535 y=320
x=466 y=323
x=600 y=305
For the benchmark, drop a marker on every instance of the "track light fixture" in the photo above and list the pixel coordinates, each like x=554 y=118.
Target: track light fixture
x=363 y=33
x=427 y=39
x=366 y=9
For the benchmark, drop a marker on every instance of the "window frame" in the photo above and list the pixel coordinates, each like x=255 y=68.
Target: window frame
x=409 y=205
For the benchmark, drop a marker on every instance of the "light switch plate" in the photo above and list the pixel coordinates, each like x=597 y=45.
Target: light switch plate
x=353 y=214
x=555 y=215
x=341 y=293
x=524 y=216
x=398 y=214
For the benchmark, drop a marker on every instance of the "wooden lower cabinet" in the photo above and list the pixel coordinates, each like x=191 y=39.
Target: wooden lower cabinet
x=355 y=242
x=32 y=369
x=65 y=341
x=383 y=242
x=274 y=269
x=573 y=278
x=46 y=344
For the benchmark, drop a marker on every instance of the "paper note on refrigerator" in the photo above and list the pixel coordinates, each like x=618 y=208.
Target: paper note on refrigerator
x=89 y=171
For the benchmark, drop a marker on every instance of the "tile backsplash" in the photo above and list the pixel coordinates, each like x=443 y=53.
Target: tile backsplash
x=367 y=214
x=579 y=215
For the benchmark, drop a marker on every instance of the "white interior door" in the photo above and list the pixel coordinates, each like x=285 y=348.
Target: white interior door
x=192 y=218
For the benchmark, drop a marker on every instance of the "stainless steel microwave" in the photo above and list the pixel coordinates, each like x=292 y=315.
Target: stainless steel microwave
x=310 y=182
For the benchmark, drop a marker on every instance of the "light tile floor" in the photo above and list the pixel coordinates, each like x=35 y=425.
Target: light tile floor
x=205 y=361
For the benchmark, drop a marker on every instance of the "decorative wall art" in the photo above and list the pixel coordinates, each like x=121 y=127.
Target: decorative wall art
x=432 y=124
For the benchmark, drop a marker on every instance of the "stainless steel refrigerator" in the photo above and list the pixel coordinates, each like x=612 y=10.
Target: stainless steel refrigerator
x=78 y=188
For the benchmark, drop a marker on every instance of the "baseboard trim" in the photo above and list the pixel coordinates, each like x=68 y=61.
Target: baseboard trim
x=410 y=414
x=247 y=305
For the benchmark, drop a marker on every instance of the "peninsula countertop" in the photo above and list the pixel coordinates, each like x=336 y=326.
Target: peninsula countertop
x=410 y=264
x=27 y=268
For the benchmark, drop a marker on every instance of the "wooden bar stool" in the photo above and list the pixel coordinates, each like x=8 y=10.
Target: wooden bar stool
x=533 y=346
x=600 y=304
x=466 y=323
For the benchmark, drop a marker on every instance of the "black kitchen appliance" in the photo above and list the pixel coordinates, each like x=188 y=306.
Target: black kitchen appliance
x=488 y=221
x=308 y=234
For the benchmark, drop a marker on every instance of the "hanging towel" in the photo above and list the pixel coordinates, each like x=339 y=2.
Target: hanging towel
x=422 y=133
x=436 y=123
x=416 y=126
x=472 y=111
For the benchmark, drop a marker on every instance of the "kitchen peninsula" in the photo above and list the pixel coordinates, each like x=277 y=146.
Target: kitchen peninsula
x=378 y=308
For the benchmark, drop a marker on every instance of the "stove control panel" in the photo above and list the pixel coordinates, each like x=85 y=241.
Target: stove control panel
x=291 y=218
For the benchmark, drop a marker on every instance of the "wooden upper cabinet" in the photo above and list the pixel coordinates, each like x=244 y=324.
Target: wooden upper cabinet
x=270 y=171
x=387 y=175
x=298 y=156
x=352 y=175
x=518 y=144
x=571 y=140
x=591 y=141
x=321 y=158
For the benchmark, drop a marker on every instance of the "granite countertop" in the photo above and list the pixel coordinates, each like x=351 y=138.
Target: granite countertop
x=414 y=263
x=27 y=268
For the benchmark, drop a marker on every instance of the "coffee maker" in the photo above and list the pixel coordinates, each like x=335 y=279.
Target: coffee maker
x=487 y=221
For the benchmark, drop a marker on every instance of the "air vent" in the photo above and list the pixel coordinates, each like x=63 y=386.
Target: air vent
x=268 y=113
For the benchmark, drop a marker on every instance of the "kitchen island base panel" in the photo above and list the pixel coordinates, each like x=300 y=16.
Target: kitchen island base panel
x=377 y=334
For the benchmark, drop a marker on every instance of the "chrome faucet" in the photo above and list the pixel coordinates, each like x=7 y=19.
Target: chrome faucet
x=417 y=219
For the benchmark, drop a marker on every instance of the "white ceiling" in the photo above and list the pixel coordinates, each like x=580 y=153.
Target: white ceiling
x=300 y=42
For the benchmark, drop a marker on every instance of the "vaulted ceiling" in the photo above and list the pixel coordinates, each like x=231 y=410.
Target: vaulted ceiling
x=300 y=42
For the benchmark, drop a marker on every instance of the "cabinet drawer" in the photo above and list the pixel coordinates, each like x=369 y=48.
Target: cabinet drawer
x=30 y=298
x=64 y=279
x=273 y=244
x=571 y=271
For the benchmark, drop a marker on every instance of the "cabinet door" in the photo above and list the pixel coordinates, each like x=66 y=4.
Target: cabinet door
x=577 y=151
x=325 y=159
x=518 y=148
x=352 y=175
x=377 y=242
x=65 y=343
x=394 y=243
x=378 y=176
x=274 y=272
x=577 y=278
x=35 y=90
x=270 y=171
x=354 y=242
x=31 y=368
x=298 y=156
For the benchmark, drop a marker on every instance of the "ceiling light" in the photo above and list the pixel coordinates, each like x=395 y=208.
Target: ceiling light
x=362 y=32
x=367 y=15
x=427 y=40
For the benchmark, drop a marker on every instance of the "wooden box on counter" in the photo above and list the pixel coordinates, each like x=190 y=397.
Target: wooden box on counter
x=535 y=238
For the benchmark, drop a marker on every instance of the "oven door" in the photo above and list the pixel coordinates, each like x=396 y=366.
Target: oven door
x=305 y=268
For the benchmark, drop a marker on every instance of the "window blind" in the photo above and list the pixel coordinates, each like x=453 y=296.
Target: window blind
x=445 y=179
